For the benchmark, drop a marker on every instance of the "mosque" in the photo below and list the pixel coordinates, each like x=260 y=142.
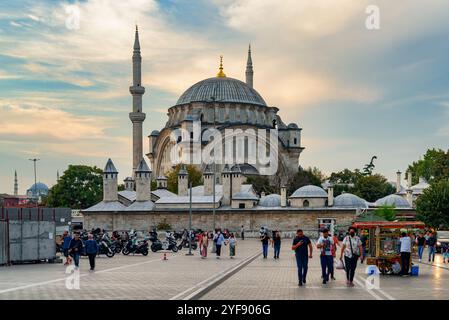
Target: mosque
x=225 y=199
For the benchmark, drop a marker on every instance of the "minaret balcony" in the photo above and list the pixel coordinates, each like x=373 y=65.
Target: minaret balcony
x=137 y=116
x=137 y=90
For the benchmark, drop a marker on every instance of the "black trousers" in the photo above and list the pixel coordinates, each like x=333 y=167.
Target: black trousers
x=218 y=250
x=350 y=266
x=405 y=262
x=243 y=235
x=92 y=260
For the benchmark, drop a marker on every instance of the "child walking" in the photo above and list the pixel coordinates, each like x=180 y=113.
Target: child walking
x=232 y=242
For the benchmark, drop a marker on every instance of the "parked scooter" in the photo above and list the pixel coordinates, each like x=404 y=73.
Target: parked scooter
x=136 y=247
x=105 y=247
x=168 y=244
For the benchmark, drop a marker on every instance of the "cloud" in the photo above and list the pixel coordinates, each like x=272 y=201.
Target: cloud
x=41 y=123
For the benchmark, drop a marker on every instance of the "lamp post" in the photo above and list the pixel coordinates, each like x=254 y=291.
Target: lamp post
x=190 y=221
x=35 y=178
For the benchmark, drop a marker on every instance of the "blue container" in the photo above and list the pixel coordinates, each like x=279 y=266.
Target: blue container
x=415 y=270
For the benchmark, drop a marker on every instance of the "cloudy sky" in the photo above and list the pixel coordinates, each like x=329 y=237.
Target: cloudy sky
x=355 y=92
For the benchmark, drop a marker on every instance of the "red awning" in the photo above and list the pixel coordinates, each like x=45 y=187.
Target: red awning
x=389 y=224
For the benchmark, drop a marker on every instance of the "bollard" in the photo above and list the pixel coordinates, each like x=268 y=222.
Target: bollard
x=165 y=257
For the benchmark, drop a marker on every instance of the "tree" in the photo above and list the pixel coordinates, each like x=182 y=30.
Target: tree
x=79 y=187
x=387 y=212
x=195 y=176
x=302 y=178
x=433 y=167
x=372 y=187
x=262 y=184
x=343 y=181
x=433 y=205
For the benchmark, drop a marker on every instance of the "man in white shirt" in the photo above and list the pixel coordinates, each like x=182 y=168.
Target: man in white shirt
x=327 y=247
x=406 y=249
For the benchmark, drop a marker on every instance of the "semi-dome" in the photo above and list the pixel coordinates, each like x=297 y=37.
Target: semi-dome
x=221 y=89
x=393 y=200
x=292 y=126
x=309 y=191
x=349 y=200
x=154 y=133
x=271 y=200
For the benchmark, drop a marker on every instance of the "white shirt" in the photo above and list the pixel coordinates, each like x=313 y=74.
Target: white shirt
x=327 y=245
x=355 y=242
x=406 y=244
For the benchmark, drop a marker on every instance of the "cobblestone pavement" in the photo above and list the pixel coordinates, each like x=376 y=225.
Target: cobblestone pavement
x=269 y=279
x=120 y=277
x=138 y=277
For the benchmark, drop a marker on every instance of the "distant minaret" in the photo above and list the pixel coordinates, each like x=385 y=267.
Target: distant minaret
x=137 y=116
x=16 y=184
x=249 y=69
x=57 y=176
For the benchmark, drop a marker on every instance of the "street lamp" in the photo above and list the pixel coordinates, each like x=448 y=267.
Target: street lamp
x=35 y=177
x=190 y=221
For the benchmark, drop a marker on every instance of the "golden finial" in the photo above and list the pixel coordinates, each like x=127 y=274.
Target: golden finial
x=220 y=73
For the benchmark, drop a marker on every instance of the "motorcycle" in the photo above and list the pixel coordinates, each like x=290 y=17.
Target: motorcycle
x=105 y=247
x=140 y=247
x=168 y=244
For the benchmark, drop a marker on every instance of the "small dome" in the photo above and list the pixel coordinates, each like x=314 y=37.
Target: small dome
x=223 y=89
x=349 y=200
x=393 y=200
x=271 y=200
x=154 y=133
x=293 y=126
x=309 y=191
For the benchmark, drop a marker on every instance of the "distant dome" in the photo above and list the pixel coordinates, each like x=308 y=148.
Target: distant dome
x=38 y=189
x=271 y=200
x=222 y=89
x=154 y=133
x=349 y=200
x=420 y=187
x=309 y=191
x=393 y=200
x=293 y=126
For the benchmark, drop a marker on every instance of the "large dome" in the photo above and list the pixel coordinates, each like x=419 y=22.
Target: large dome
x=349 y=200
x=222 y=89
x=309 y=191
x=393 y=200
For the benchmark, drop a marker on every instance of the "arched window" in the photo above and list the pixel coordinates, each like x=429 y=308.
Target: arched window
x=305 y=203
x=295 y=141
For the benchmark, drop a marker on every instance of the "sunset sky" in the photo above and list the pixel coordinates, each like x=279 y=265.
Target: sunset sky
x=356 y=92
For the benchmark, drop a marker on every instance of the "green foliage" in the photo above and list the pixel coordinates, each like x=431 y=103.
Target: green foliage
x=79 y=187
x=153 y=184
x=195 y=176
x=262 y=184
x=433 y=167
x=121 y=187
x=387 y=212
x=305 y=177
x=433 y=205
x=163 y=225
x=345 y=177
x=372 y=187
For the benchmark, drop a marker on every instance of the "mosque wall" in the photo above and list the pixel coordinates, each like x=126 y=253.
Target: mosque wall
x=285 y=220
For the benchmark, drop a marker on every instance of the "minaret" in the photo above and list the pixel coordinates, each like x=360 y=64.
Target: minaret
x=57 y=176
x=16 y=184
x=249 y=69
x=137 y=116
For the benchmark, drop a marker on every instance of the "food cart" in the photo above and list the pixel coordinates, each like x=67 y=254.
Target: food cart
x=384 y=241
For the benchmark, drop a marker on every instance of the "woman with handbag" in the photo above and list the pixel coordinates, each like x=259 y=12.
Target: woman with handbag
x=352 y=251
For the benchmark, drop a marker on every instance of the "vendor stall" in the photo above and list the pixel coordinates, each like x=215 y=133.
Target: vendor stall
x=384 y=242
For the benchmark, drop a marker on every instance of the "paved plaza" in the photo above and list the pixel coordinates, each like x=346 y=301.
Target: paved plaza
x=248 y=276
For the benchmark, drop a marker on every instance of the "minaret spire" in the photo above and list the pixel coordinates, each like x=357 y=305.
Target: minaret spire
x=137 y=116
x=16 y=184
x=249 y=69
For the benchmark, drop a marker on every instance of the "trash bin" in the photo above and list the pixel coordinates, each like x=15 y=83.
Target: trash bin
x=415 y=270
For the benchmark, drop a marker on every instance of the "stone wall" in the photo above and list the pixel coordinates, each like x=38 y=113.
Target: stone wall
x=285 y=220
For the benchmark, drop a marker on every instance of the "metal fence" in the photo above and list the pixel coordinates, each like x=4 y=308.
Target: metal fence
x=28 y=234
x=4 y=242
